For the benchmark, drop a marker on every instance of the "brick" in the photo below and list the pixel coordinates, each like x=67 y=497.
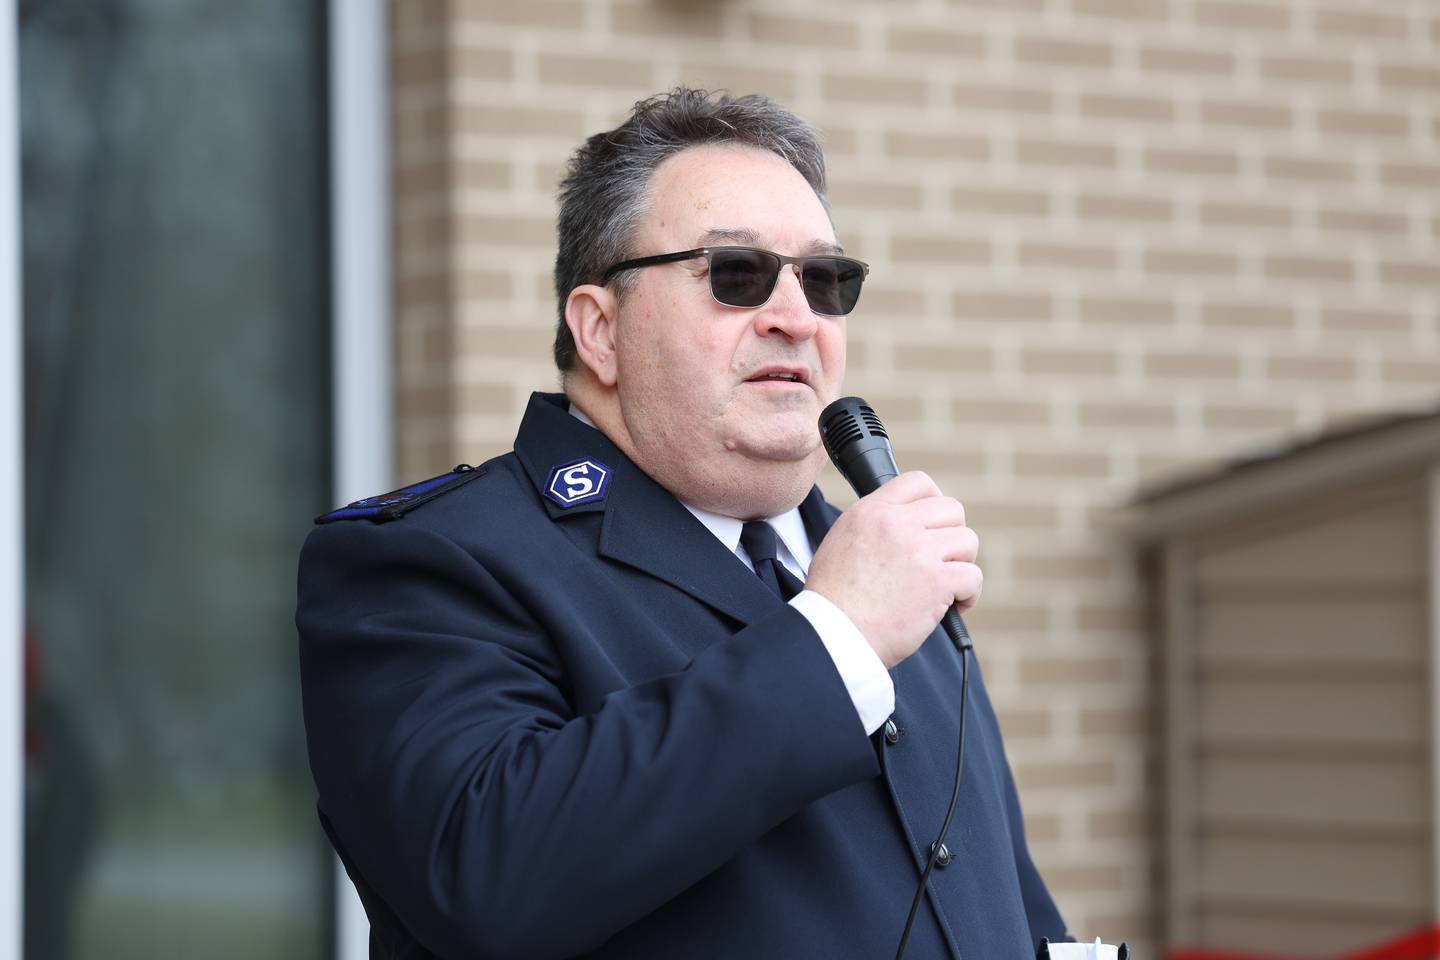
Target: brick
x=874 y=88
x=1307 y=69
x=1106 y=619
x=943 y=357
x=703 y=21
x=739 y=78
x=1115 y=721
x=1412 y=371
x=1125 y=415
x=1044 y=828
x=492 y=229
x=519 y=121
x=968 y=96
x=1068 y=362
x=1063 y=153
x=1184 y=60
x=876 y=194
x=1114 y=107
x=1001 y=305
x=1247 y=417
x=1241 y=16
x=992 y=412
x=1239 y=113
x=938 y=249
x=487 y=398
x=1064 y=775
x=1364 y=123
x=1217 y=214
x=1094 y=309
x=1026 y=724
x=838 y=139
x=1365 y=321
x=1363 y=221
x=1199 y=262
x=996 y=617
x=1309 y=169
x=1188 y=365
x=413 y=69
x=1001 y=200
x=418 y=16
x=950 y=146
x=1116 y=206
x=418 y=179
x=810 y=32
x=1051 y=51
x=898 y=407
x=900 y=301
x=945 y=462
x=509 y=343
x=936 y=40
x=1120 y=825
x=586 y=71
x=1248 y=315
x=1192 y=161
x=1154 y=11
x=1068 y=670
x=1423 y=175
x=1311 y=368
x=1425 y=273
x=1058 y=464
x=555 y=14
x=1005 y=5
x=423 y=289
x=1067 y=255
x=1090 y=877
x=1349 y=24
x=1423 y=79
x=1012 y=515
x=474 y=284
x=1309 y=268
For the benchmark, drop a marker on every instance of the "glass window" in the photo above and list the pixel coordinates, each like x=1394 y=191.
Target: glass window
x=177 y=443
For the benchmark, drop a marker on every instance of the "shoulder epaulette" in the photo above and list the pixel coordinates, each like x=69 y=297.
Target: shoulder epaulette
x=397 y=503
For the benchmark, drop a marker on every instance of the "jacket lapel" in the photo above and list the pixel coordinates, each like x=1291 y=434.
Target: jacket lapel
x=644 y=526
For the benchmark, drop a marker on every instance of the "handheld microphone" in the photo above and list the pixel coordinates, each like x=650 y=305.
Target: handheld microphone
x=859 y=447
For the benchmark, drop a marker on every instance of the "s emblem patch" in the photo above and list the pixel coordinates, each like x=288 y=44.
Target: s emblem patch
x=581 y=481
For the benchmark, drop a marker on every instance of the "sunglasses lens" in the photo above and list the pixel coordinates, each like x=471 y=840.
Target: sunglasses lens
x=832 y=284
x=743 y=278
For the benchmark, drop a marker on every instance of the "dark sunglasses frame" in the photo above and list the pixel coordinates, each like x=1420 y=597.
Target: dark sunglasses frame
x=780 y=263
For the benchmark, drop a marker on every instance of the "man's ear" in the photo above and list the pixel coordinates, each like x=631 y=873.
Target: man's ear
x=590 y=313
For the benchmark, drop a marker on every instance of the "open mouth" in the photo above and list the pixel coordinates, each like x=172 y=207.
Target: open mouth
x=778 y=375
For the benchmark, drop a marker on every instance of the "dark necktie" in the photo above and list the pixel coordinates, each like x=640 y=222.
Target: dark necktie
x=758 y=539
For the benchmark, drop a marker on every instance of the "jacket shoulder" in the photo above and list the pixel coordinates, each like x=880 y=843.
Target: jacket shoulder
x=391 y=506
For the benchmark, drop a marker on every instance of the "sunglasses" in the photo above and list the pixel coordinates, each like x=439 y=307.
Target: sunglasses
x=745 y=276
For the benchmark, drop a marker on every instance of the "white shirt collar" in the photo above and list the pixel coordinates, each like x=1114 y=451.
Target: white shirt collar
x=789 y=526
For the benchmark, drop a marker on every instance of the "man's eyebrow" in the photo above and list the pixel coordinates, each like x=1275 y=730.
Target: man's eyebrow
x=749 y=238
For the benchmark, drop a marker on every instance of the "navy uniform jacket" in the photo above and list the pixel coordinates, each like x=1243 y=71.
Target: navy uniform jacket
x=541 y=732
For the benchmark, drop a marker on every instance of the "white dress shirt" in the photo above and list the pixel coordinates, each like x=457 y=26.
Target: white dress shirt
x=863 y=672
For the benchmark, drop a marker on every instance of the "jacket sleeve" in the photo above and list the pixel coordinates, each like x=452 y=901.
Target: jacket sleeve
x=490 y=817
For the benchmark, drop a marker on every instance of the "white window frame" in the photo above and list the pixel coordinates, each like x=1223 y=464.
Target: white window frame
x=362 y=398
x=12 y=505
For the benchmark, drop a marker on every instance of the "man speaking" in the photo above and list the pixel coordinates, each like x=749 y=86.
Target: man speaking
x=635 y=689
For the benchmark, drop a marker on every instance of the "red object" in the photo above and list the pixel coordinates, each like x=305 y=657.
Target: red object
x=1423 y=944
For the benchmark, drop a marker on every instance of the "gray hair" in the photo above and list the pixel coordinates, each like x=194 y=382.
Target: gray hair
x=605 y=194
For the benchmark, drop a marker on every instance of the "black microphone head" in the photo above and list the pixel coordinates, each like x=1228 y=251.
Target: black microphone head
x=857 y=444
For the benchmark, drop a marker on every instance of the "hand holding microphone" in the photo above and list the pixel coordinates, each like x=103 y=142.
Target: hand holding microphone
x=901 y=559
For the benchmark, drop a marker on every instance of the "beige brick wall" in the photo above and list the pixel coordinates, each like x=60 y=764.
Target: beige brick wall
x=1111 y=240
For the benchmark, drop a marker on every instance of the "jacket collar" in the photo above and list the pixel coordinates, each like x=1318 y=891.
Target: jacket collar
x=644 y=526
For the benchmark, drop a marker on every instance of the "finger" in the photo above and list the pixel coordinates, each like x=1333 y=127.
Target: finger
x=954 y=544
x=935 y=513
x=907 y=487
x=966 y=581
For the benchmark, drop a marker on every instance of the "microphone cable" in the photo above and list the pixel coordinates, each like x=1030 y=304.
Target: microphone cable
x=965 y=655
x=859 y=447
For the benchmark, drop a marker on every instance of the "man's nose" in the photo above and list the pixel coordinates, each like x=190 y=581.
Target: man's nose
x=787 y=311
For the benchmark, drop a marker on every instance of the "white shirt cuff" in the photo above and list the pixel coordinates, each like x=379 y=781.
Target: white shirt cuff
x=863 y=672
